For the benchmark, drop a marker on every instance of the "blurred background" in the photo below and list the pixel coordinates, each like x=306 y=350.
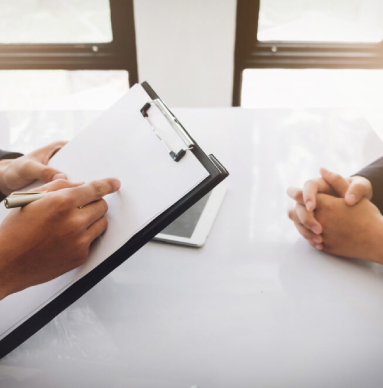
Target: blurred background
x=84 y=54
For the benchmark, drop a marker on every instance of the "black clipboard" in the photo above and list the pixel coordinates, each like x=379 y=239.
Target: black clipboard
x=217 y=173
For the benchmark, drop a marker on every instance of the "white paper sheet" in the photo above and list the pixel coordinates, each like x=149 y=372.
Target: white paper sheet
x=118 y=144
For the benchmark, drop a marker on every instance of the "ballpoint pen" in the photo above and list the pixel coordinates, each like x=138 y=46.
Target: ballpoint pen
x=19 y=199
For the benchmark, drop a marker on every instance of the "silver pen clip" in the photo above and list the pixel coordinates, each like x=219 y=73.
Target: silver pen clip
x=27 y=192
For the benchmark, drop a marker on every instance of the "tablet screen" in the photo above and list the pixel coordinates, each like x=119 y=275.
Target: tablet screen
x=185 y=224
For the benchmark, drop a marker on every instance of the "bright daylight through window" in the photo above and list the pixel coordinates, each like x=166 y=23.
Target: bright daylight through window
x=58 y=22
x=321 y=21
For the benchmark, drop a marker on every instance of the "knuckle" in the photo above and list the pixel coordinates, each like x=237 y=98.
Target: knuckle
x=76 y=223
x=82 y=244
x=28 y=166
x=336 y=177
x=82 y=255
x=291 y=213
x=47 y=174
x=28 y=163
x=61 y=203
x=295 y=194
x=327 y=248
x=104 y=223
x=104 y=206
x=97 y=188
x=306 y=234
x=305 y=218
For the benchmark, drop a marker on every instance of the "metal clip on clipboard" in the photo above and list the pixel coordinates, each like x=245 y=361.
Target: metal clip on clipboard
x=177 y=126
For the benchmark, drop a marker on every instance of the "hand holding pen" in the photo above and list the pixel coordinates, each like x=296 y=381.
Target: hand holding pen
x=52 y=235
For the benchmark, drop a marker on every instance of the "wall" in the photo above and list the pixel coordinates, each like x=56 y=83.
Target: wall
x=185 y=50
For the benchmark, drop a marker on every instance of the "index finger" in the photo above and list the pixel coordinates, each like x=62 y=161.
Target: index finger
x=57 y=185
x=338 y=183
x=94 y=191
x=310 y=190
x=295 y=194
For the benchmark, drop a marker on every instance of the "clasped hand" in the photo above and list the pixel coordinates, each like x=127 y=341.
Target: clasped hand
x=336 y=215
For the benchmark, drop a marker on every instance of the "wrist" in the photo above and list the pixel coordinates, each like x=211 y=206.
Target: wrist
x=8 y=277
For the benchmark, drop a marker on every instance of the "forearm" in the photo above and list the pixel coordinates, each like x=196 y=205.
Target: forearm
x=5 y=286
x=9 y=155
x=6 y=279
x=5 y=283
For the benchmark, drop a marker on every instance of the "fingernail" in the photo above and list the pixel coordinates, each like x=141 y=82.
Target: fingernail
x=316 y=229
x=317 y=239
x=310 y=205
x=117 y=183
x=351 y=199
x=319 y=246
x=60 y=175
x=324 y=169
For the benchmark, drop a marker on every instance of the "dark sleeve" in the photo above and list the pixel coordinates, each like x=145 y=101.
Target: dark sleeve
x=8 y=155
x=374 y=173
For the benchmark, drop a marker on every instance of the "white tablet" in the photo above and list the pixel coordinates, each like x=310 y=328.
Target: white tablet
x=193 y=226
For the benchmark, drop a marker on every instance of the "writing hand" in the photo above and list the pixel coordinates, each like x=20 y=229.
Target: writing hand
x=51 y=236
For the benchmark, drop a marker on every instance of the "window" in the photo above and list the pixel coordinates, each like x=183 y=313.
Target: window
x=48 y=47
x=307 y=34
x=337 y=21
x=52 y=21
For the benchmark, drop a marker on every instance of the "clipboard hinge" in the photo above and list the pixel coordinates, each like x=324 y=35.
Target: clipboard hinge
x=176 y=156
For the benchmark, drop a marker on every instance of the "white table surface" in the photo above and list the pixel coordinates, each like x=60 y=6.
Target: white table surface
x=255 y=307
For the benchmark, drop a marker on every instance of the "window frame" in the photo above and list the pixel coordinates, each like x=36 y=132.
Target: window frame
x=120 y=54
x=253 y=54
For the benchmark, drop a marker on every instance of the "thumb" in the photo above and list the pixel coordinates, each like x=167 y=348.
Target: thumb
x=36 y=170
x=337 y=182
x=359 y=188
